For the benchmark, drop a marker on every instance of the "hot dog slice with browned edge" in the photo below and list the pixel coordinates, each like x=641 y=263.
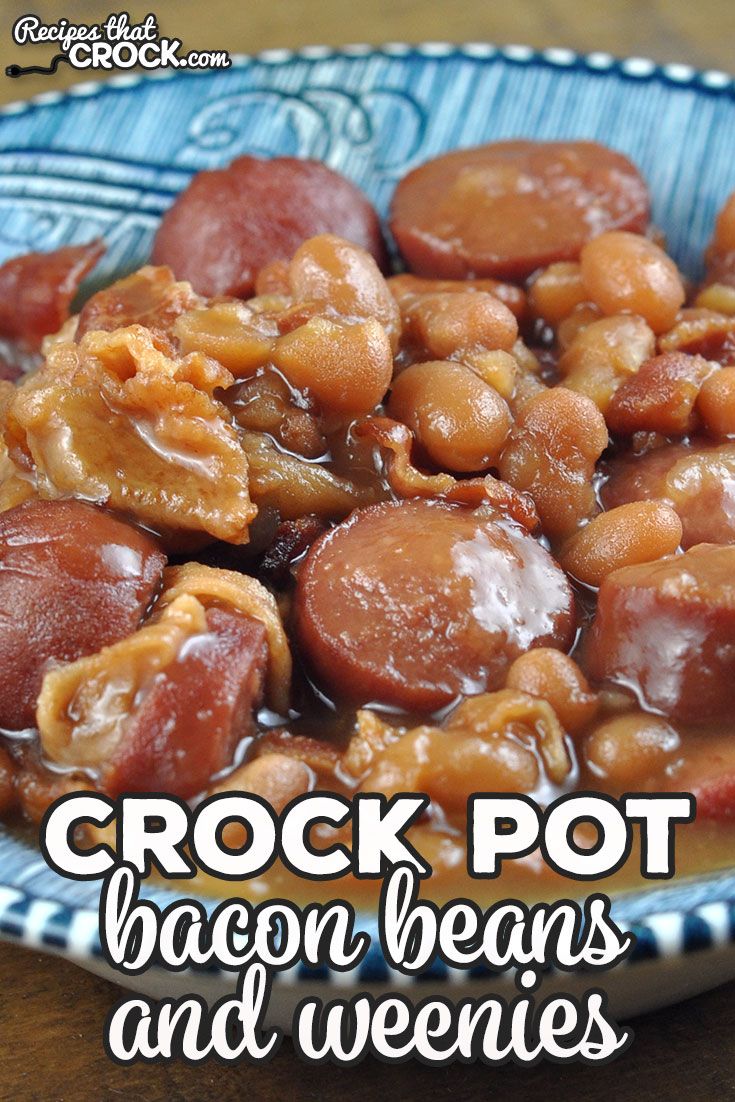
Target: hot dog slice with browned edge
x=666 y=629
x=73 y=579
x=189 y=720
x=36 y=290
x=231 y=222
x=412 y=603
x=696 y=479
x=505 y=209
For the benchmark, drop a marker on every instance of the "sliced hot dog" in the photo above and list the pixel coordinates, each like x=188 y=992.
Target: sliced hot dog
x=708 y=771
x=36 y=290
x=505 y=209
x=667 y=630
x=697 y=481
x=231 y=222
x=411 y=603
x=189 y=720
x=73 y=579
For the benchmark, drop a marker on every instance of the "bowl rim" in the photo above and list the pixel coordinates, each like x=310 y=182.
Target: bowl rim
x=669 y=920
x=560 y=58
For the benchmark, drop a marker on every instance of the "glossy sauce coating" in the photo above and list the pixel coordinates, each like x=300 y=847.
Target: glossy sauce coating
x=625 y=273
x=505 y=209
x=661 y=396
x=150 y=297
x=414 y=602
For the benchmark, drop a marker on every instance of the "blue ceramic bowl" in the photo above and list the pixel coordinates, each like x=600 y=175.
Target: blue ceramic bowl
x=107 y=159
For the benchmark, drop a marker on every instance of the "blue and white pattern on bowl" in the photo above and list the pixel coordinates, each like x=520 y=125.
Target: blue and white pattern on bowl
x=107 y=159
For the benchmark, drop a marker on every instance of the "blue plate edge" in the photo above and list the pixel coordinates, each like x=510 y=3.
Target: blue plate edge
x=711 y=81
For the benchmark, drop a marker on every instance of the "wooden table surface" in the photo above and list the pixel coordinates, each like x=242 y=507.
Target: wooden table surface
x=51 y=1013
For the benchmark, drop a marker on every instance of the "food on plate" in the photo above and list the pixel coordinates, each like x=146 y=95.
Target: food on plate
x=272 y=519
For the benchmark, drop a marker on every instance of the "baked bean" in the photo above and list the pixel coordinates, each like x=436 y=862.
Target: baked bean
x=666 y=629
x=661 y=397
x=413 y=602
x=498 y=369
x=527 y=360
x=575 y=323
x=718 y=297
x=716 y=403
x=552 y=676
x=624 y=273
x=604 y=354
x=405 y=287
x=461 y=423
x=447 y=324
x=721 y=252
x=556 y=291
x=276 y=778
x=73 y=579
x=638 y=532
x=347 y=368
x=558 y=438
x=632 y=751
x=336 y=275
x=696 y=480
x=273 y=279
x=236 y=334
x=528 y=382
x=511 y=207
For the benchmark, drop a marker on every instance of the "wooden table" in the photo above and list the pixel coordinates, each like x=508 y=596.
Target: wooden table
x=51 y=1013
x=51 y=1017
x=700 y=33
